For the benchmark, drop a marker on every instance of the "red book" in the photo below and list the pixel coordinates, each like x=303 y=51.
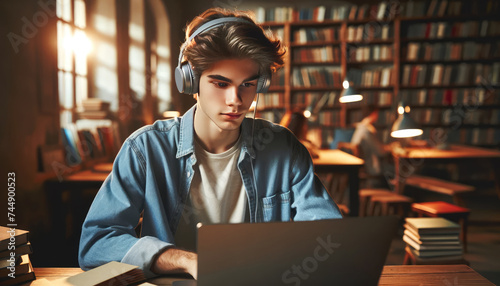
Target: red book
x=448 y=97
x=428 y=30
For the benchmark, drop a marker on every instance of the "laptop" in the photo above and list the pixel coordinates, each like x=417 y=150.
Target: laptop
x=348 y=251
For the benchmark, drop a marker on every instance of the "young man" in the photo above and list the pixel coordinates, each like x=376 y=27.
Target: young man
x=211 y=165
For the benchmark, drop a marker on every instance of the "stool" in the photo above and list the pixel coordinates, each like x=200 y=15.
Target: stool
x=365 y=196
x=445 y=210
x=399 y=203
x=412 y=259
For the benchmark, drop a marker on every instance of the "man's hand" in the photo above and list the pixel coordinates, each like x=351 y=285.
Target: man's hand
x=175 y=260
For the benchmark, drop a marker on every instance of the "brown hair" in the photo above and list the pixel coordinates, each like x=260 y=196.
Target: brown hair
x=237 y=40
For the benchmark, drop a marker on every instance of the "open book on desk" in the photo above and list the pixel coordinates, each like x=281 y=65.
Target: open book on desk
x=112 y=273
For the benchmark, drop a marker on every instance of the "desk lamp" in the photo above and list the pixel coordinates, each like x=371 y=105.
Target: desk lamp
x=349 y=94
x=405 y=126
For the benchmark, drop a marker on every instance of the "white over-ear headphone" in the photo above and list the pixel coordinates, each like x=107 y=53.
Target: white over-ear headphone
x=185 y=78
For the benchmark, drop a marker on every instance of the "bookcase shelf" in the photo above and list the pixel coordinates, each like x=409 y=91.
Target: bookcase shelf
x=356 y=33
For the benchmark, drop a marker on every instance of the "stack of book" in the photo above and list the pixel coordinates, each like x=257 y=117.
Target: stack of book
x=15 y=265
x=433 y=238
x=95 y=108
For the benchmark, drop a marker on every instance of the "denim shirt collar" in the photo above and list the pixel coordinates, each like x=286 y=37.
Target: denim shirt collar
x=186 y=136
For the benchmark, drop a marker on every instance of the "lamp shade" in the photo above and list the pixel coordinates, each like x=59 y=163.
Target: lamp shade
x=405 y=126
x=349 y=94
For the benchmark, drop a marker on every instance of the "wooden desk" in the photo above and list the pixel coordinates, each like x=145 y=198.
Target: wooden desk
x=431 y=275
x=337 y=161
x=408 y=161
x=391 y=275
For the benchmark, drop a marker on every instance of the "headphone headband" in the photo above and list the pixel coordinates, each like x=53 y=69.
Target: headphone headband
x=206 y=27
x=185 y=78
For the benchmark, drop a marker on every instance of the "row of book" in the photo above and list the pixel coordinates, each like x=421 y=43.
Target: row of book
x=451 y=51
x=330 y=118
x=306 y=35
x=377 y=31
x=385 y=10
x=381 y=99
x=317 y=55
x=439 y=30
x=456 y=117
x=468 y=136
x=310 y=99
x=370 y=53
x=89 y=141
x=17 y=269
x=456 y=74
x=278 y=79
x=372 y=77
x=273 y=115
x=439 y=8
x=469 y=98
x=271 y=100
x=433 y=238
x=316 y=77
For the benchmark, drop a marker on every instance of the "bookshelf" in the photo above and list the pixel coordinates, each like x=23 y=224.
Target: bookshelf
x=440 y=56
x=450 y=65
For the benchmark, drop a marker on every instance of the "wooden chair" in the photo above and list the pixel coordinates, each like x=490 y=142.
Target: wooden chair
x=390 y=204
x=445 y=210
x=365 y=196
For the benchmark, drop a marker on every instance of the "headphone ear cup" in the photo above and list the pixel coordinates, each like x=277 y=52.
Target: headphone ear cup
x=185 y=79
x=263 y=84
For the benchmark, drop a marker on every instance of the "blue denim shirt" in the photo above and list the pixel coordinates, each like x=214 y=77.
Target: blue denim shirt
x=152 y=175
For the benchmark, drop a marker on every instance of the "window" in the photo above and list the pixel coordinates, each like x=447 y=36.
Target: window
x=72 y=49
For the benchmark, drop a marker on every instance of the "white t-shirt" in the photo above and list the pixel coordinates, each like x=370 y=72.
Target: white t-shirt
x=217 y=194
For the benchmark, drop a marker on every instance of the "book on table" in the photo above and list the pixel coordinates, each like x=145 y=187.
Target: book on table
x=19 y=278
x=15 y=264
x=433 y=237
x=111 y=273
x=19 y=236
x=432 y=225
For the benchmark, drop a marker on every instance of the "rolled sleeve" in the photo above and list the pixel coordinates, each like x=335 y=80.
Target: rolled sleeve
x=144 y=251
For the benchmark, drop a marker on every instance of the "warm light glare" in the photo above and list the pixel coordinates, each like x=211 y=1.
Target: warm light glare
x=350 y=98
x=407 y=109
x=307 y=113
x=171 y=114
x=406 y=133
x=81 y=43
x=401 y=110
x=345 y=84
